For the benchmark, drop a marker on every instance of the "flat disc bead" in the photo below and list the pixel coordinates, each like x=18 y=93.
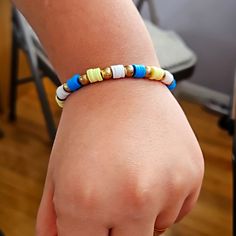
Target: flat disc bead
x=94 y=75
x=157 y=73
x=84 y=80
x=106 y=73
x=129 y=71
x=61 y=93
x=73 y=83
x=172 y=85
x=118 y=71
x=139 y=71
x=168 y=78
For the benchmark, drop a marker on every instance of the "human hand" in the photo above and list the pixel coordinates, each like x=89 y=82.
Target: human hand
x=125 y=160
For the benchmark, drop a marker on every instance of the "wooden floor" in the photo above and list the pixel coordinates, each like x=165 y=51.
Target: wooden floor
x=25 y=149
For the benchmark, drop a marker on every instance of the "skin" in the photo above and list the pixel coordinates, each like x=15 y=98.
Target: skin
x=125 y=159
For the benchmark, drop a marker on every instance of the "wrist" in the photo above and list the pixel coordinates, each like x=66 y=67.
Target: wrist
x=114 y=94
x=115 y=100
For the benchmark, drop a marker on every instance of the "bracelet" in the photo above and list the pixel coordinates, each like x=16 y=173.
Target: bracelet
x=113 y=72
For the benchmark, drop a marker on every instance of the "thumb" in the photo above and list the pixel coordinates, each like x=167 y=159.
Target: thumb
x=46 y=218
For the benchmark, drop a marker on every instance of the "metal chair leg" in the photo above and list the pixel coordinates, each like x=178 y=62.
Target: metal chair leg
x=42 y=96
x=13 y=82
x=23 y=40
x=45 y=108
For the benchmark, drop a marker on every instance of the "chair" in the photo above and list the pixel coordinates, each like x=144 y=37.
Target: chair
x=23 y=38
x=172 y=52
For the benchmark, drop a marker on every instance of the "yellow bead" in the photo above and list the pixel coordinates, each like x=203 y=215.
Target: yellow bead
x=106 y=73
x=157 y=73
x=83 y=79
x=129 y=71
x=66 y=88
x=148 y=72
x=94 y=75
x=59 y=102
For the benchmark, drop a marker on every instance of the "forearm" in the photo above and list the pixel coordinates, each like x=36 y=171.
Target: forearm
x=125 y=157
x=78 y=35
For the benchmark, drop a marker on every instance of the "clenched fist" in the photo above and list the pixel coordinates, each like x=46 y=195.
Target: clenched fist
x=125 y=161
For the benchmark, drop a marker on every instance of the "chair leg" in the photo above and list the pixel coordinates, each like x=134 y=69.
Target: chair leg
x=45 y=108
x=13 y=82
x=37 y=77
x=42 y=95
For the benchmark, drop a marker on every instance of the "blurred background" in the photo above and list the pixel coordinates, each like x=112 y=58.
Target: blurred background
x=195 y=40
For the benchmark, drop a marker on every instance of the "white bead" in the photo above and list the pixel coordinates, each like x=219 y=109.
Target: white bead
x=168 y=79
x=61 y=93
x=118 y=71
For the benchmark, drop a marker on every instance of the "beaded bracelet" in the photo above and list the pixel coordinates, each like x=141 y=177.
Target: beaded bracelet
x=113 y=72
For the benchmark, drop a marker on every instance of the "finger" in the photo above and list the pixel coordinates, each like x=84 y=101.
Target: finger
x=81 y=227
x=167 y=217
x=188 y=205
x=79 y=217
x=46 y=219
x=133 y=228
x=158 y=232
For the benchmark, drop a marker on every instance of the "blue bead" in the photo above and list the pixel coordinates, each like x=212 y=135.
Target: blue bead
x=172 y=85
x=139 y=71
x=73 y=83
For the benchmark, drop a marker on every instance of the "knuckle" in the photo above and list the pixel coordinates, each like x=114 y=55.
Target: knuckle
x=88 y=199
x=196 y=174
x=177 y=184
x=77 y=204
x=74 y=198
x=138 y=197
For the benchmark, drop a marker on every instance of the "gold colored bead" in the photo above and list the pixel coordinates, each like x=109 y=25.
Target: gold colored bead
x=148 y=72
x=66 y=88
x=164 y=75
x=129 y=71
x=106 y=73
x=83 y=79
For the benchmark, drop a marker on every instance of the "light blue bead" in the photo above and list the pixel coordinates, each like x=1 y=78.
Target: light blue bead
x=172 y=85
x=73 y=83
x=139 y=71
